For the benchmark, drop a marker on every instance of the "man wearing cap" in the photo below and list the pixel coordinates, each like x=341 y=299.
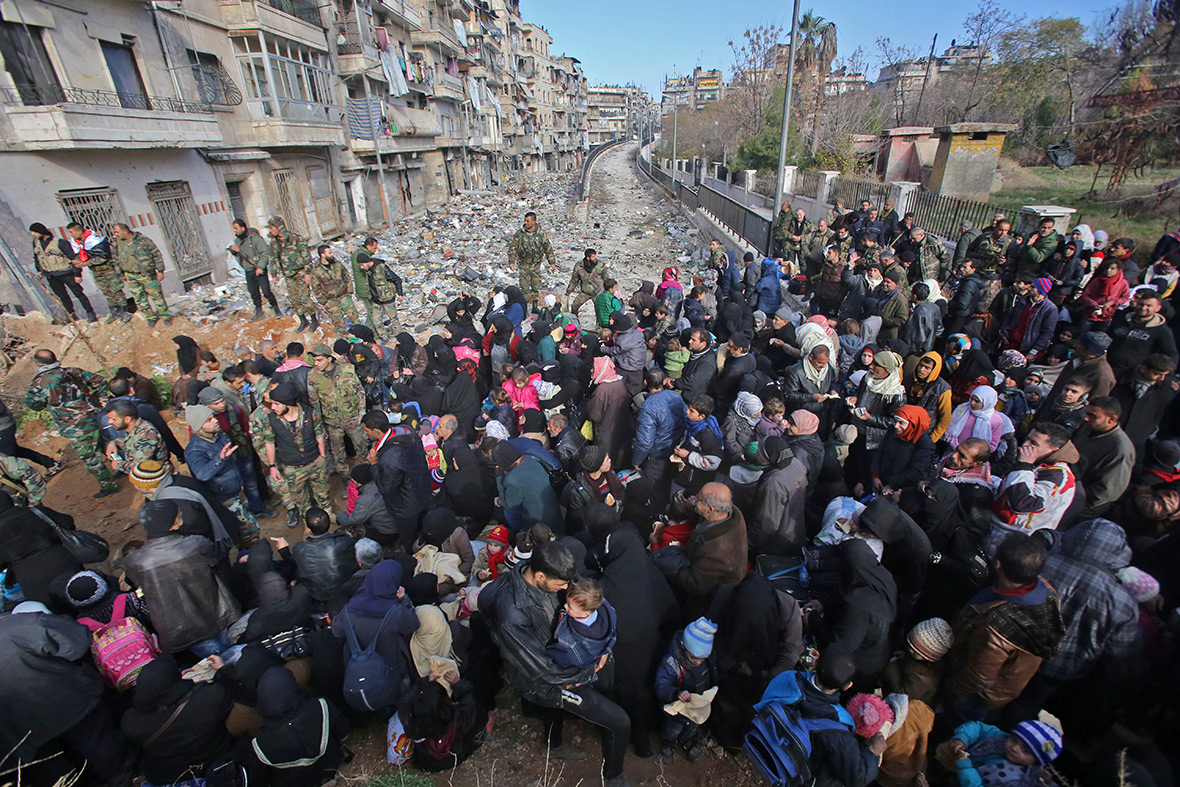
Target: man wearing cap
x=1029 y=327
x=295 y=453
x=360 y=281
x=527 y=248
x=526 y=495
x=289 y=252
x=332 y=286
x=72 y=397
x=235 y=426
x=931 y=260
x=894 y=308
x=338 y=399
x=210 y=458
x=140 y=439
x=1089 y=365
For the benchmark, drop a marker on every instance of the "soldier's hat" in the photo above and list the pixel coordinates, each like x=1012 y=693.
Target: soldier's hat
x=276 y=221
x=322 y=350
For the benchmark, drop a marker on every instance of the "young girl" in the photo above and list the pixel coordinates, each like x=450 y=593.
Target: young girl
x=490 y=560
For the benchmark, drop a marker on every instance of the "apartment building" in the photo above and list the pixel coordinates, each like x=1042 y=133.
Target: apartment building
x=615 y=112
x=337 y=114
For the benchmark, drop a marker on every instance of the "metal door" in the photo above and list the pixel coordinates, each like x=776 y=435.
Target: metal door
x=325 y=203
x=290 y=201
x=182 y=228
x=94 y=209
x=236 y=203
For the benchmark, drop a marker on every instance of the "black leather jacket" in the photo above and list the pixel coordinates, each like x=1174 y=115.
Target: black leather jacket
x=324 y=563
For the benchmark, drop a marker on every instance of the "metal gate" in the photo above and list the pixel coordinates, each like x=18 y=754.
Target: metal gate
x=95 y=209
x=291 y=201
x=325 y=203
x=182 y=229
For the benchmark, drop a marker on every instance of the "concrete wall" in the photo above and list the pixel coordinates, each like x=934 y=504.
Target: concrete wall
x=965 y=167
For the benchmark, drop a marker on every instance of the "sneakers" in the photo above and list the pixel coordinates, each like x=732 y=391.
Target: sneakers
x=567 y=751
x=55 y=468
x=151 y=323
x=258 y=315
x=292 y=518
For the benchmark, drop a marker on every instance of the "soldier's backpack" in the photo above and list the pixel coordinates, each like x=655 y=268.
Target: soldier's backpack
x=121 y=648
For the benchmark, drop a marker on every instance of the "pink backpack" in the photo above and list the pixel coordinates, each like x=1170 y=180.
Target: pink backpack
x=122 y=647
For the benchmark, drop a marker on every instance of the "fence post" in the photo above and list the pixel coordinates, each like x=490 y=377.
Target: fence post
x=903 y=193
x=826 y=176
x=788 y=175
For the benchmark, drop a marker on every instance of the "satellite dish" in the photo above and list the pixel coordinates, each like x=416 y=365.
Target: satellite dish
x=1062 y=155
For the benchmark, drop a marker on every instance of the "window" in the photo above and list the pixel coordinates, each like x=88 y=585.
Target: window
x=125 y=74
x=27 y=62
x=214 y=83
x=302 y=78
x=96 y=209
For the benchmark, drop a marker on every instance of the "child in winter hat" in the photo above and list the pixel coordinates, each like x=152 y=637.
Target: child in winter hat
x=931 y=639
x=986 y=755
x=490 y=560
x=686 y=670
x=871 y=714
x=1142 y=586
x=918 y=670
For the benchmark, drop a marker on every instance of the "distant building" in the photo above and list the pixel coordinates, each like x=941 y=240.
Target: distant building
x=614 y=112
x=696 y=91
x=905 y=79
x=841 y=81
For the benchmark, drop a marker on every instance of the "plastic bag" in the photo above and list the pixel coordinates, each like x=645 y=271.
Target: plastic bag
x=398 y=746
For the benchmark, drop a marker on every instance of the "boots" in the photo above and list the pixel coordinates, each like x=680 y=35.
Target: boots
x=91 y=317
x=115 y=314
x=302 y=324
x=258 y=315
x=274 y=305
x=314 y=324
x=292 y=517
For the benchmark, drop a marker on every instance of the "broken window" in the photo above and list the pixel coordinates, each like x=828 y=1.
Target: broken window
x=27 y=62
x=125 y=74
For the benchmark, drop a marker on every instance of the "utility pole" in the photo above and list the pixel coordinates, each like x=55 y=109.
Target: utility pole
x=929 y=63
x=675 y=107
x=782 y=145
x=376 y=147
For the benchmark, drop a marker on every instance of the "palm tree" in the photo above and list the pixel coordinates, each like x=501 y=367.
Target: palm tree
x=825 y=54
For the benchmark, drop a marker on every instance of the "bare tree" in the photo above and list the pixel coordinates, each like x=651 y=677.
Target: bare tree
x=984 y=28
x=896 y=57
x=754 y=74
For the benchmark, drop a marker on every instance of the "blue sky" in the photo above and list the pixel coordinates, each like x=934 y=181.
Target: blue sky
x=622 y=41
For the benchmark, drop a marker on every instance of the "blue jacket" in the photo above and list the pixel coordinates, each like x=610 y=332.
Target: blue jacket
x=220 y=476
x=730 y=279
x=675 y=674
x=575 y=645
x=694 y=312
x=970 y=734
x=768 y=290
x=661 y=425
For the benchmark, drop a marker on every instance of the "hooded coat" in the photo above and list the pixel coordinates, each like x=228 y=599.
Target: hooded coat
x=402 y=475
x=861 y=626
x=778 y=527
x=768 y=290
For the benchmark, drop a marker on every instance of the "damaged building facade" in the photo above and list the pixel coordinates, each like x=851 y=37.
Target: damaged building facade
x=177 y=116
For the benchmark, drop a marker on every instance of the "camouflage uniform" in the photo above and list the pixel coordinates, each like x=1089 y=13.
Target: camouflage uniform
x=990 y=262
x=588 y=284
x=931 y=260
x=299 y=487
x=525 y=250
x=73 y=397
x=106 y=275
x=844 y=245
x=21 y=474
x=142 y=441
x=331 y=285
x=259 y=428
x=779 y=233
x=795 y=227
x=140 y=261
x=339 y=400
x=360 y=284
x=291 y=256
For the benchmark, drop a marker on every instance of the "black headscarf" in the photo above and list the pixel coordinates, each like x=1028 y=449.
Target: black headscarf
x=437 y=526
x=245 y=673
x=974 y=363
x=422 y=589
x=279 y=696
x=159 y=685
x=747 y=631
x=186 y=353
x=865 y=583
x=504 y=329
x=405 y=347
x=515 y=296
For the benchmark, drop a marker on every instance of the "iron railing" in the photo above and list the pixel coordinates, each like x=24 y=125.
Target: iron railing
x=41 y=95
x=853 y=191
x=942 y=215
x=807 y=184
x=307 y=10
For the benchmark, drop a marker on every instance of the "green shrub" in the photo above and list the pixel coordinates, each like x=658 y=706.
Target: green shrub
x=163 y=386
x=34 y=415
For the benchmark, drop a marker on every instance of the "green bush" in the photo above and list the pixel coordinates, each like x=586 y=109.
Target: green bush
x=34 y=415
x=163 y=386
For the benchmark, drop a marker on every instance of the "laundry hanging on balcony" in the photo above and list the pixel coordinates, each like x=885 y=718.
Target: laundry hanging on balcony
x=393 y=74
x=362 y=124
x=460 y=33
x=473 y=91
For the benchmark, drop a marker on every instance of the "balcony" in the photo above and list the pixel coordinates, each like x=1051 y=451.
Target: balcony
x=72 y=119
x=449 y=87
x=305 y=10
x=438 y=36
x=400 y=12
x=356 y=55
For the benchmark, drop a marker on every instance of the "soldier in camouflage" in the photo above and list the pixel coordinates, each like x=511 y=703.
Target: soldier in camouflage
x=253 y=254
x=142 y=266
x=383 y=288
x=990 y=256
x=20 y=481
x=527 y=248
x=141 y=441
x=843 y=242
x=931 y=260
x=337 y=397
x=332 y=287
x=94 y=252
x=360 y=281
x=294 y=444
x=586 y=280
x=289 y=253
x=796 y=228
x=73 y=398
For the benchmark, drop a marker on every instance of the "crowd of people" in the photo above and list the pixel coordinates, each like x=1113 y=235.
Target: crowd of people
x=916 y=502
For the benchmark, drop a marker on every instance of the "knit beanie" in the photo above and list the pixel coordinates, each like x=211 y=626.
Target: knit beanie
x=887 y=360
x=1043 y=285
x=1094 y=342
x=285 y=393
x=894 y=275
x=1142 y=586
x=931 y=639
x=534 y=420
x=870 y=713
x=698 y=637
x=592 y=457
x=499 y=535
x=85 y=588
x=362 y=474
x=1042 y=740
x=148 y=474
x=195 y=415
x=209 y=395
x=785 y=314
x=158 y=517
x=368 y=552
x=504 y=455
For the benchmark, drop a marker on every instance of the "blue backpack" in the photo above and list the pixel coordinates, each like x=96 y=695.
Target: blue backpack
x=370 y=681
x=779 y=744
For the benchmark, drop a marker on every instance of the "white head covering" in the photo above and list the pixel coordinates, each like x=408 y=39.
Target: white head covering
x=986 y=424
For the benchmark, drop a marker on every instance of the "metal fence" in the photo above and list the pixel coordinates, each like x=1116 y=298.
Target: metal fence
x=942 y=215
x=41 y=95
x=807 y=184
x=307 y=10
x=853 y=191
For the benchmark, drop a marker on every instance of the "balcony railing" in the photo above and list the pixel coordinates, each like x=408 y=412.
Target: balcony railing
x=38 y=95
x=306 y=10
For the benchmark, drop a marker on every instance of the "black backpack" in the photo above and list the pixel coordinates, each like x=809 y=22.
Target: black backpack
x=370 y=681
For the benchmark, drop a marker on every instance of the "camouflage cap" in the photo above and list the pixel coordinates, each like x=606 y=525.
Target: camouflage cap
x=322 y=350
x=276 y=221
